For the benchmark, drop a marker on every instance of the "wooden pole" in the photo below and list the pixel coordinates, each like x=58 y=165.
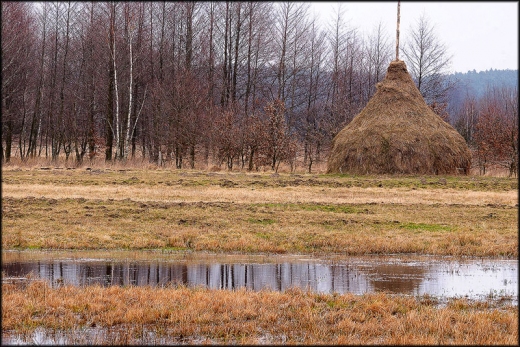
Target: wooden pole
x=397 y=34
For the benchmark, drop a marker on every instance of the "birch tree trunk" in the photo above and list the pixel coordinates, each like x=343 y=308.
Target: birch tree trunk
x=114 y=67
x=130 y=94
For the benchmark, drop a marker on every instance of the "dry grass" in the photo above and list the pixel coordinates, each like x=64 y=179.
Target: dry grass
x=99 y=164
x=251 y=213
x=183 y=315
x=217 y=192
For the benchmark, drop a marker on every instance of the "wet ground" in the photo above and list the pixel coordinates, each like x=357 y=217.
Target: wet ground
x=442 y=277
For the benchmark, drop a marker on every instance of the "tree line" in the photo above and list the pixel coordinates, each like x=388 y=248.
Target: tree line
x=242 y=84
x=476 y=83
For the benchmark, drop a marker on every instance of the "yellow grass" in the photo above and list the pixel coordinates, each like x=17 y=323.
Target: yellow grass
x=353 y=195
x=183 y=315
x=251 y=213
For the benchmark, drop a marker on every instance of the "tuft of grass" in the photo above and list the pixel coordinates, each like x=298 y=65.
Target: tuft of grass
x=261 y=221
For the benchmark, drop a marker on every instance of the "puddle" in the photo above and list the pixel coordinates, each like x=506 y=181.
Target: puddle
x=99 y=336
x=442 y=277
x=89 y=336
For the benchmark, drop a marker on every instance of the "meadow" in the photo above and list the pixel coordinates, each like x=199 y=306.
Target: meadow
x=46 y=208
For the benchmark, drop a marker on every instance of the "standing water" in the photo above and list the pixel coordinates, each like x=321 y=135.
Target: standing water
x=410 y=275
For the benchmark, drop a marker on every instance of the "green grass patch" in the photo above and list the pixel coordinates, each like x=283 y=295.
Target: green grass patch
x=264 y=236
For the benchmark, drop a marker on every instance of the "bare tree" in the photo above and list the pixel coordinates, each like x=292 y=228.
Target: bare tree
x=345 y=93
x=287 y=35
x=467 y=119
x=110 y=121
x=36 y=124
x=133 y=21
x=378 y=58
x=428 y=61
x=312 y=132
x=17 y=57
x=338 y=38
x=91 y=83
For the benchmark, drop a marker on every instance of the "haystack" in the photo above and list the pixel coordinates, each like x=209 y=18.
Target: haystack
x=397 y=133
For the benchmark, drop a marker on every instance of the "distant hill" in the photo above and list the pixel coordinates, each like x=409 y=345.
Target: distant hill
x=475 y=84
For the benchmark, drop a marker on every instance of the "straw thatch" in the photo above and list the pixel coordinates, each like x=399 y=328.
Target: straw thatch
x=397 y=133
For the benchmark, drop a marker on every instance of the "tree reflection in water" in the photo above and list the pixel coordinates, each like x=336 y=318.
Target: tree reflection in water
x=353 y=275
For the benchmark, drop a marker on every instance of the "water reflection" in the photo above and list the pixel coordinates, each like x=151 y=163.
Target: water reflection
x=282 y=276
x=396 y=277
x=354 y=275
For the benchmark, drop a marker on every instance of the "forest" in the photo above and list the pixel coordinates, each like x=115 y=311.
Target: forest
x=239 y=85
x=476 y=83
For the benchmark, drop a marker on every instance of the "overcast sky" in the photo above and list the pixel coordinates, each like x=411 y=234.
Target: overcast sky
x=478 y=35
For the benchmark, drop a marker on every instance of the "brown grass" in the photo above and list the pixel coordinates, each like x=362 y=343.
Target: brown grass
x=397 y=132
x=251 y=213
x=182 y=315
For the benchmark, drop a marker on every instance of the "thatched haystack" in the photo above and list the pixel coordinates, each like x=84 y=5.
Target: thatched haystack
x=397 y=133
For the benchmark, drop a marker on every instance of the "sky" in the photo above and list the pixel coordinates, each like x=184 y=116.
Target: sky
x=478 y=35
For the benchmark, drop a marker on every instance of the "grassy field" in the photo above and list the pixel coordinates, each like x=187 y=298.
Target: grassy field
x=259 y=213
x=256 y=213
